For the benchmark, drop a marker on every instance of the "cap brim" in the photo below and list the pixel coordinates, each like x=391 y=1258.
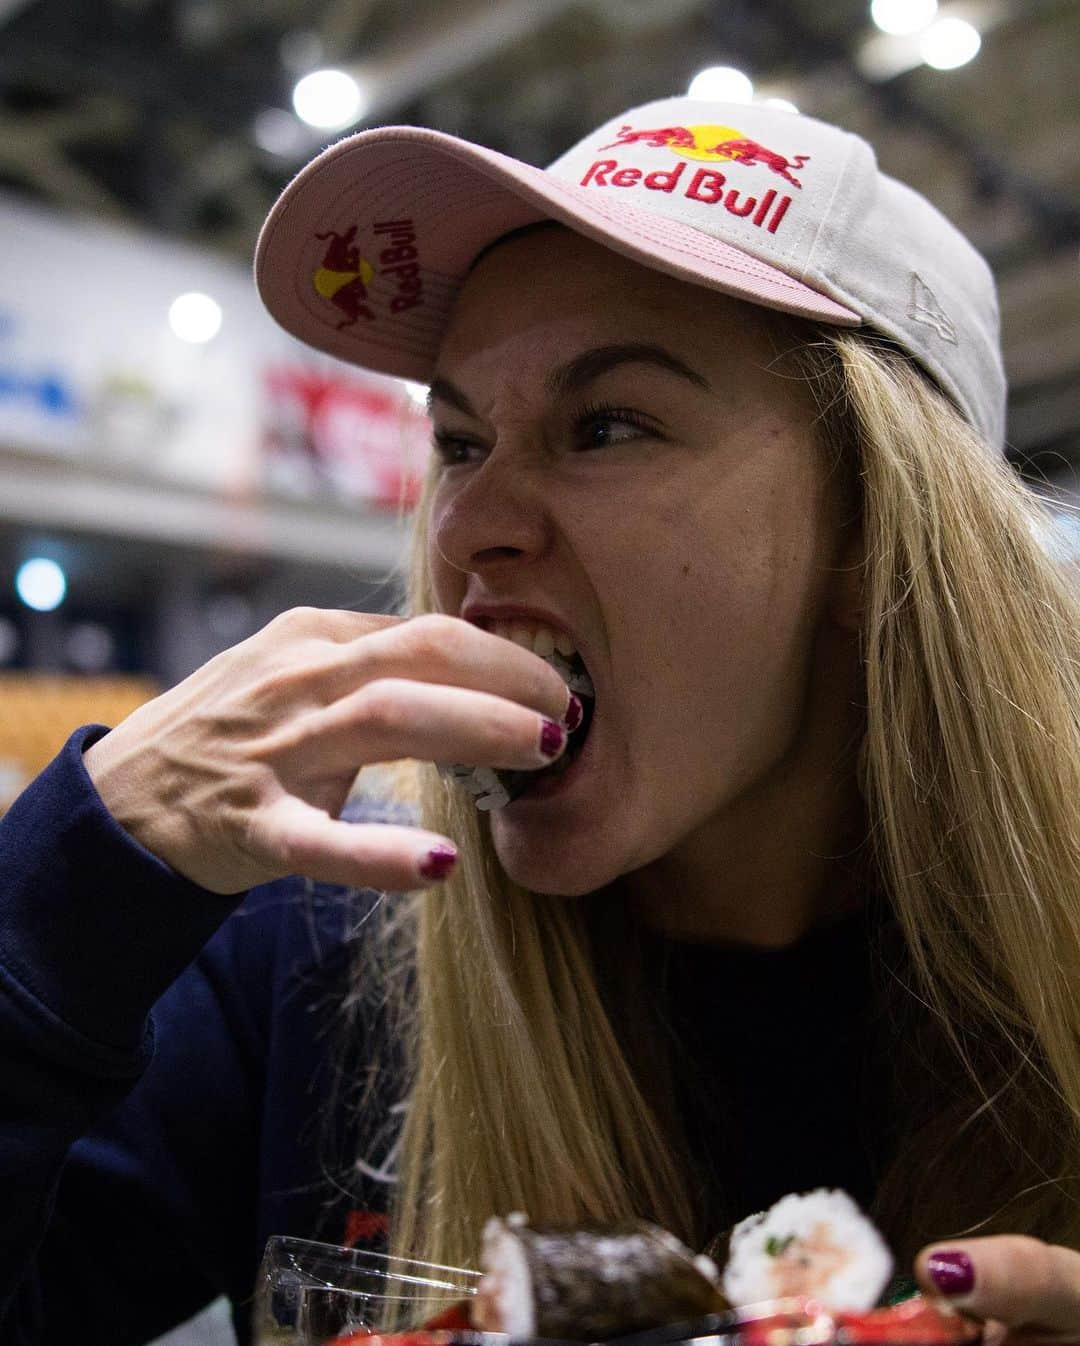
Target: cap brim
x=345 y=221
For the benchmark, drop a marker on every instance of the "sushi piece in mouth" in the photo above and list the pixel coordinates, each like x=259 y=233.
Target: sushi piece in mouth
x=493 y=788
x=588 y=1284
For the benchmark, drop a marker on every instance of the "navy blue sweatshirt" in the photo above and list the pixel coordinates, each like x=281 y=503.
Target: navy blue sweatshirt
x=168 y=1066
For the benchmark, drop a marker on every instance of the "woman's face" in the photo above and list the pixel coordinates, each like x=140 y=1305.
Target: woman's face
x=674 y=508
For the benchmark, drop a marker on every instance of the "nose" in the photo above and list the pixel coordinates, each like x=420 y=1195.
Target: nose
x=498 y=514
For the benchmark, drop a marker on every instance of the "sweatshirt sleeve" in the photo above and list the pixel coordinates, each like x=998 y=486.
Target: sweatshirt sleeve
x=94 y=929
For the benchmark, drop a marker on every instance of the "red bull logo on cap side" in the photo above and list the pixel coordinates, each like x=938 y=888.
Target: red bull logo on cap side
x=343 y=275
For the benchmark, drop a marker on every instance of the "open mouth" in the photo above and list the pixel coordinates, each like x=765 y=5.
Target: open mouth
x=581 y=684
x=576 y=676
x=494 y=788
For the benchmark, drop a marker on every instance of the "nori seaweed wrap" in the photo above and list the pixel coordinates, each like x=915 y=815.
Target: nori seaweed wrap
x=589 y=1284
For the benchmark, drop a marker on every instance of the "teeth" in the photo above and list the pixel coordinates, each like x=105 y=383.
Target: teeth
x=534 y=636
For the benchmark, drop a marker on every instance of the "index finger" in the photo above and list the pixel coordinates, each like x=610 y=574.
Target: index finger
x=436 y=647
x=1017 y=1280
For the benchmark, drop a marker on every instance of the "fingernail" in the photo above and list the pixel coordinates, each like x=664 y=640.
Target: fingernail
x=952 y=1272
x=440 y=861
x=574 y=712
x=552 y=738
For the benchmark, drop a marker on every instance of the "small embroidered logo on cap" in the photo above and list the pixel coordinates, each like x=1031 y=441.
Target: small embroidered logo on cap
x=343 y=276
x=926 y=309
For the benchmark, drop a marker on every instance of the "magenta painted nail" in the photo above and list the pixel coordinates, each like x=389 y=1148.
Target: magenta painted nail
x=952 y=1272
x=573 y=715
x=440 y=861
x=552 y=738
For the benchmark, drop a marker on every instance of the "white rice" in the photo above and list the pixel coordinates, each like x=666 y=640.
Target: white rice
x=819 y=1245
x=504 y=1295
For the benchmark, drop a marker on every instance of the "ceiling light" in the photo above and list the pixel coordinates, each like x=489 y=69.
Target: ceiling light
x=279 y=132
x=949 y=43
x=903 y=16
x=722 y=82
x=329 y=99
x=195 y=317
x=41 y=584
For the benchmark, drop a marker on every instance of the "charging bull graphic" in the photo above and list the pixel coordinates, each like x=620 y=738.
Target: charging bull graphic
x=343 y=277
x=726 y=143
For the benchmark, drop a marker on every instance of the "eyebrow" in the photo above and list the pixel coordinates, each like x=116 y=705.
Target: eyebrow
x=581 y=370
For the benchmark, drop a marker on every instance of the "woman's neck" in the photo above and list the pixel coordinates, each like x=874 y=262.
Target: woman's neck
x=756 y=876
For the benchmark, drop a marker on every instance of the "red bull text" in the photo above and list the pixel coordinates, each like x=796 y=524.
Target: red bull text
x=705 y=184
x=709 y=185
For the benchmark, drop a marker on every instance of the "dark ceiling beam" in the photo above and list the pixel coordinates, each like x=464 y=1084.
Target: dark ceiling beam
x=222 y=94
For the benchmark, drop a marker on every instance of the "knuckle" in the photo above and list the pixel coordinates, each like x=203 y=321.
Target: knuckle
x=435 y=635
x=299 y=618
x=381 y=706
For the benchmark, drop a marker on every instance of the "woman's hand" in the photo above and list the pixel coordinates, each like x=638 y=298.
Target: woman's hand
x=1027 y=1291
x=237 y=775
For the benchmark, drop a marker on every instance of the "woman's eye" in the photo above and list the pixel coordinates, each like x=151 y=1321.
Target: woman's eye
x=595 y=428
x=450 y=449
x=608 y=427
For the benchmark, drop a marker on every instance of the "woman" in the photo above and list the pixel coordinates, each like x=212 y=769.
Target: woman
x=833 y=757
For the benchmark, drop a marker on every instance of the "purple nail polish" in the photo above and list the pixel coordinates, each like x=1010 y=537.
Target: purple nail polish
x=573 y=715
x=952 y=1272
x=552 y=738
x=440 y=861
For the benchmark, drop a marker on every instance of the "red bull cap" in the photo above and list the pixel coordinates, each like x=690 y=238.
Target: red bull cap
x=364 y=251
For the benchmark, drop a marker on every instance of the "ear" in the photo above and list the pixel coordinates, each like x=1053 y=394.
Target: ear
x=845 y=598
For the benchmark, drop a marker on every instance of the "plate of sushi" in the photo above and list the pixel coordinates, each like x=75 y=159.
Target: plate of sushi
x=812 y=1270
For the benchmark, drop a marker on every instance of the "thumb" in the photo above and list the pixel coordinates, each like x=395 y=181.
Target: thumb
x=1013 y=1279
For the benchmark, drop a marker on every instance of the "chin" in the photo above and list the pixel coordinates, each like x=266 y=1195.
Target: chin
x=534 y=865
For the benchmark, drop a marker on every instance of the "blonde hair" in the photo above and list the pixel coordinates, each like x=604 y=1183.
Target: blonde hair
x=524 y=1093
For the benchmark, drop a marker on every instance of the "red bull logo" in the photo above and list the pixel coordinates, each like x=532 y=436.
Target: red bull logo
x=711 y=142
x=344 y=276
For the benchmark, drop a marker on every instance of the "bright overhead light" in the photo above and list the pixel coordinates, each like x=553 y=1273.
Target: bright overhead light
x=781 y=104
x=903 y=16
x=195 y=317
x=949 y=43
x=722 y=82
x=41 y=584
x=279 y=132
x=329 y=99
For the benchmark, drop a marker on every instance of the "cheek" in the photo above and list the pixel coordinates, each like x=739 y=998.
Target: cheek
x=713 y=628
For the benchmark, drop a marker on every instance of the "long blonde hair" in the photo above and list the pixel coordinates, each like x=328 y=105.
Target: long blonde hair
x=523 y=1094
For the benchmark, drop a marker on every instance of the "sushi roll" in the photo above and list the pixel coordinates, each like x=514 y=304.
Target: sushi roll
x=494 y=789
x=818 y=1245
x=588 y=1284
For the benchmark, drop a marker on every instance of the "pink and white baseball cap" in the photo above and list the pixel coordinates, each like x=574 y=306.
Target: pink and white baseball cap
x=364 y=251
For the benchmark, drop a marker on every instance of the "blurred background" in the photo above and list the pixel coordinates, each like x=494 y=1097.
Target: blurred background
x=174 y=469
